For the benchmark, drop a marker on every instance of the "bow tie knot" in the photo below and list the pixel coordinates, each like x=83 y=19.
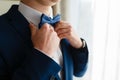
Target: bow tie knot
x=49 y=20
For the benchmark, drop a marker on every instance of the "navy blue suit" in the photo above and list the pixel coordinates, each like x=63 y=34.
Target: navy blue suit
x=20 y=61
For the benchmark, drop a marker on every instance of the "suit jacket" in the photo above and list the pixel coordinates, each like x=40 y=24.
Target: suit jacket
x=20 y=61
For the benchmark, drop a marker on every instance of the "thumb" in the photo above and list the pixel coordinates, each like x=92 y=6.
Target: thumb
x=33 y=28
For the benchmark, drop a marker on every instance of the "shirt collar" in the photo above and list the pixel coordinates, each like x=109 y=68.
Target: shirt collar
x=31 y=14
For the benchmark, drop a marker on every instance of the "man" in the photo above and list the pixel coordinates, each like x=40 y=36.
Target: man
x=51 y=52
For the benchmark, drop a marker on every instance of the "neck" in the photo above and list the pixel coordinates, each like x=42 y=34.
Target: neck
x=42 y=8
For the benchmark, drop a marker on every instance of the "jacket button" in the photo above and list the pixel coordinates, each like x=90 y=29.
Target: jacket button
x=52 y=78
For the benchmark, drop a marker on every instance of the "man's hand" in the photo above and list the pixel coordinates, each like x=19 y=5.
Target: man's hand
x=64 y=30
x=45 y=39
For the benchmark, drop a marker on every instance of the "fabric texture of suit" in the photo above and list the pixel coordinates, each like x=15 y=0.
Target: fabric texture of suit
x=20 y=61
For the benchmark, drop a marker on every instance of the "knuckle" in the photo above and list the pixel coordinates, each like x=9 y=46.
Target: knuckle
x=51 y=30
x=69 y=33
x=46 y=28
x=70 y=29
x=69 y=25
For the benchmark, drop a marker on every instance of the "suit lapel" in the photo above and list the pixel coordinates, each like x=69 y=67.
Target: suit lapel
x=19 y=23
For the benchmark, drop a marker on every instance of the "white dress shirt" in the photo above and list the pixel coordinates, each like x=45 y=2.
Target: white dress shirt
x=34 y=16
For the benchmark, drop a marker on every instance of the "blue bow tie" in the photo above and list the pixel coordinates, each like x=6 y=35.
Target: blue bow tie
x=49 y=20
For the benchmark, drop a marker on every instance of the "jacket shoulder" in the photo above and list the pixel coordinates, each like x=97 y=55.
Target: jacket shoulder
x=3 y=20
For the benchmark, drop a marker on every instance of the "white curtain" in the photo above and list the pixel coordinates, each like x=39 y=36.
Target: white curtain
x=106 y=38
x=98 y=22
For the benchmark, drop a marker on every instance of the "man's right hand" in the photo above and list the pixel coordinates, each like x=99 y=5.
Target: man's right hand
x=45 y=39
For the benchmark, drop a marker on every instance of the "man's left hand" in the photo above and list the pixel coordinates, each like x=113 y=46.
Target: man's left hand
x=65 y=30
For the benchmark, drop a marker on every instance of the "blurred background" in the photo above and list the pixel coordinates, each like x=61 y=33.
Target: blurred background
x=98 y=22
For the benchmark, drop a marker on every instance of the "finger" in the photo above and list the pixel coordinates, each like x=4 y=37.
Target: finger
x=51 y=28
x=52 y=32
x=55 y=36
x=65 y=35
x=62 y=25
x=33 y=28
x=62 y=37
x=62 y=31
x=45 y=27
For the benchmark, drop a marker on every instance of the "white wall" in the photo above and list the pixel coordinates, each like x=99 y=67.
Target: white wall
x=6 y=4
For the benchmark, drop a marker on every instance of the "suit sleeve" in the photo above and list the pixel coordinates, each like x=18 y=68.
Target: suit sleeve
x=80 y=60
x=37 y=66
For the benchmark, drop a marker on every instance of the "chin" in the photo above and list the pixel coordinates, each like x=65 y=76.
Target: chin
x=48 y=2
x=55 y=1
